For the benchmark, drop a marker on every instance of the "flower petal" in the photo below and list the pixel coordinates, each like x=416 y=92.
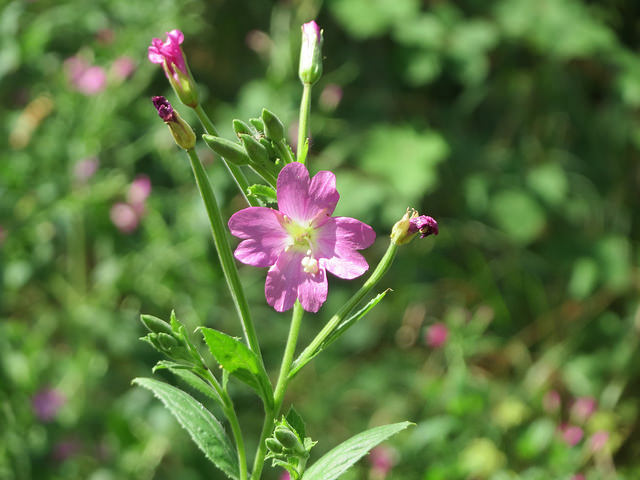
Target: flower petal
x=347 y=265
x=293 y=191
x=323 y=197
x=312 y=292
x=283 y=280
x=263 y=235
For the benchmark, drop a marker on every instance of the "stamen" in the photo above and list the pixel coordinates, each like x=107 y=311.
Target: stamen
x=310 y=264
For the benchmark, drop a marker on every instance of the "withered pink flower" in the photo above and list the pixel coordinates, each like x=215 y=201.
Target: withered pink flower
x=436 y=335
x=301 y=241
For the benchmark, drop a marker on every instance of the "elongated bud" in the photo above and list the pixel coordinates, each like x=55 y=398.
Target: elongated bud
x=257 y=152
x=169 y=54
x=310 y=69
x=181 y=131
x=288 y=439
x=274 y=445
x=408 y=227
x=273 y=127
x=258 y=124
x=241 y=127
x=227 y=149
x=155 y=325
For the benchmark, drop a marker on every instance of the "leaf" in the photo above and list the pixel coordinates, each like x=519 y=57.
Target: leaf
x=340 y=459
x=236 y=358
x=190 y=378
x=203 y=427
x=263 y=193
x=296 y=422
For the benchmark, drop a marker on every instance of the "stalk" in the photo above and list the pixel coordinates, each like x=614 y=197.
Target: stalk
x=303 y=122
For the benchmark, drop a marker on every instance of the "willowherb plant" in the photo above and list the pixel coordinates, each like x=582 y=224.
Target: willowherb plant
x=299 y=242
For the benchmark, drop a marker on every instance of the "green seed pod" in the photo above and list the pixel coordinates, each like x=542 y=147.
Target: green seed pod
x=155 y=325
x=273 y=127
x=227 y=149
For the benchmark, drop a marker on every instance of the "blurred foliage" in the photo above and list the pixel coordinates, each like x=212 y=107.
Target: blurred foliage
x=515 y=123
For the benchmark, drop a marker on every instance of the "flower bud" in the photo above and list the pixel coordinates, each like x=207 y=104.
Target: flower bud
x=227 y=149
x=181 y=131
x=241 y=127
x=410 y=225
x=273 y=127
x=288 y=439
x=155 y=325
x=274 y=445
x=310 y=69
x=256 y=151
x=170 y=55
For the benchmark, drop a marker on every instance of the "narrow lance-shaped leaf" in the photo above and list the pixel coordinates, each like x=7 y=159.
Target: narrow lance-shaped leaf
x=203 y=427
x=189 y=377
x=337 y=461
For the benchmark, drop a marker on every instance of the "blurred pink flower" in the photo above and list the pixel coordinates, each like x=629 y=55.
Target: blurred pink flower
x=139 y=190
x=436 y=335
x=46 y=403
x=551 y=401
x=583 y=408
x=123 y=67
x=571 y=434
x=258 y=41
x=330 y=97
x=598 y=440
x=84 y=169
x=578 y=476
x=65 y=449
x=124 y=217
x=382 y=460
x=89 y=80
x=285 y=476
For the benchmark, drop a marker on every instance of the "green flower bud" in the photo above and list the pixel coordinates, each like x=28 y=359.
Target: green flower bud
x=258 y=124
x=155 y=325
x=241 y=127
x=181 y=131
x=273 y=127
x=288 y=439
x=310 y=69
x=257 y=152
x=227 y=149
x=274 y=445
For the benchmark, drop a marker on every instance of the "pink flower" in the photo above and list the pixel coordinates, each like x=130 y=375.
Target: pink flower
x=124 y=217
x=382 y=460
x=424 y=224
x=123 y=67
x=571 y=434
x=89 y=80
x=84 y=169
x=436 y=335
x=301 y=241
x=139 y=190
x=285 y=476
x=583 y=408
x=46 y=404
x=578 y=476
x=598 y=440
x=551 y=401
x=169 y=54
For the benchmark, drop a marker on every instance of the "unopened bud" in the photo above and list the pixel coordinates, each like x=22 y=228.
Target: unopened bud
x=273 y=127
x=288 y=439
x=410 y=225
x=310 y=69
x=181 y=131
x=227 y=149
x=274 y=445
x=241 y=127
x=155 y=325
x=256 y=151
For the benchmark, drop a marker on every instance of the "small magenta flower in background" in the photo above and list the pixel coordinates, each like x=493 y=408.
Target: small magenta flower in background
x=551 y=401
x=583 y=408
x=139 y=191
x=169 y=54
x=436 y=335
x=86 y=168
x=46 y=403
x=124 y=217
x=123 y=67
x=285 y=476
x=571 y=434
x=301 y=240
x=598 y=440
x=87 y=79
x=382 y=461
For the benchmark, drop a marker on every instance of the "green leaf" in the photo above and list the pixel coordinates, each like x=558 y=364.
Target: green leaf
x=190 y=378
x=263 y=193
x=236 y=358
x=340 y=459
x=203 y=427
x=296 y=422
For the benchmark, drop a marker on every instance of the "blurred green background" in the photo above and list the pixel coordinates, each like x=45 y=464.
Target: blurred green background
x=515 y=123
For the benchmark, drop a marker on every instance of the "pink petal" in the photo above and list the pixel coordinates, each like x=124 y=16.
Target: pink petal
x=353 y=234
x=154 y=55
x=323 y=197
x=293 y=191
x=347 y=265
x=264 y=237
x=312 y=292
x=175 y=36
x=283 y=279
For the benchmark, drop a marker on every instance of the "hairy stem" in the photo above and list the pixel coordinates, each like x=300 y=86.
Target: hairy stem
x=281 y=388
x=312 y=349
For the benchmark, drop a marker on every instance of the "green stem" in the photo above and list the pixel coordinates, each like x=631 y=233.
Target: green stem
x=234 y=170
x=281 y=388
x=230 y=413
x=312 y=349
x=224 y=253
x=303 y=122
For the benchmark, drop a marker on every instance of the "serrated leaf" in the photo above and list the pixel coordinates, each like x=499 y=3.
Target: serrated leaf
x=296 y=422
x=340 y=459
x=263 y=193
x=203 y=427
x=185 y=374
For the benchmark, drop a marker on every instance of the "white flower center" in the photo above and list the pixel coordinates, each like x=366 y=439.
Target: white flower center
x=310 y=264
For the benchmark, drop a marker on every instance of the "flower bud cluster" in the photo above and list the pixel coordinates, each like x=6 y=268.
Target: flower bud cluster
x=170 y=339
x=288 y=449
